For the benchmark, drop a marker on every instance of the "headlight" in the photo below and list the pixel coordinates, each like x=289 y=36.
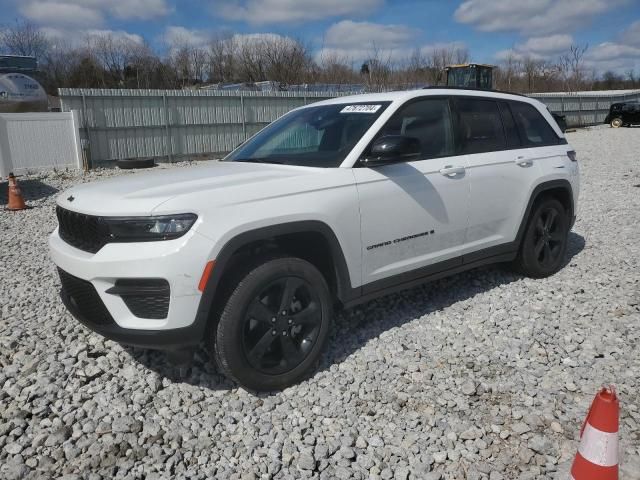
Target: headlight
x=147 y=229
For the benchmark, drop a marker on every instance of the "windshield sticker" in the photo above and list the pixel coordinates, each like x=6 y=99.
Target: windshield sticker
x=361 y=109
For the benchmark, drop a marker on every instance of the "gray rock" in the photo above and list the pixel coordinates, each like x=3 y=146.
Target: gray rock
x=13 y=448
x=433 y=476
x=470 y=434
x=347 y=452
x=376 y=441
x=306 y=461
x=440 y=457
x=468 y=387
x=401 y=473
x=540 y=444
x=520 y=428
x=361 y=443
x=386 y=474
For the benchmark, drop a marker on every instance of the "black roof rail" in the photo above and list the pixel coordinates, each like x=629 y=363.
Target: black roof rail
x=473 y=89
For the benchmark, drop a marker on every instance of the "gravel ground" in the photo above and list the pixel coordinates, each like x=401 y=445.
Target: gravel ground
x=481 y=375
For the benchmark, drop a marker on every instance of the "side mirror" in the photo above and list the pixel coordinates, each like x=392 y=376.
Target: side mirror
x=392 y=149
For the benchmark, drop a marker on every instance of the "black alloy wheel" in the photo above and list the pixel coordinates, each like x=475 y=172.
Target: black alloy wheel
x=549 y=237
x=274 y=325
x=545 y=240
x=281 y=324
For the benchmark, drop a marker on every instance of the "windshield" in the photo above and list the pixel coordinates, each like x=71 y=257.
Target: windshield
x=311 y=137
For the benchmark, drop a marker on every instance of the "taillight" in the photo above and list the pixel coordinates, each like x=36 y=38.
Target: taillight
x=572 y=155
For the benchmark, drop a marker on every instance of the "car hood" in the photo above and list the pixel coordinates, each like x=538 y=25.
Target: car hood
x=142 y=193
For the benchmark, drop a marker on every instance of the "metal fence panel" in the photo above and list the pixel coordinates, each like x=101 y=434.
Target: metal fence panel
x=121 y=124
x=118 y=124
x=584 y=108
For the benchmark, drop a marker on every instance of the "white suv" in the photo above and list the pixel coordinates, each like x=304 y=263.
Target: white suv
x=331 y=205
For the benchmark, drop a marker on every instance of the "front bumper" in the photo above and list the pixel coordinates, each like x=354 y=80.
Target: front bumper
x=180 y=262
x=156 y=339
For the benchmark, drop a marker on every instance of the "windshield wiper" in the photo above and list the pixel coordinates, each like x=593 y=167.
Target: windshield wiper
x=258 y=160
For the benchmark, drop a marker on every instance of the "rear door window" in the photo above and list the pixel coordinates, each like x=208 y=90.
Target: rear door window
x=534 y=130
x=510 y=128
x=480 y=125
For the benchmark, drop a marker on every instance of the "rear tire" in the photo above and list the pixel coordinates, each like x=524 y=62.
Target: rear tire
x=274 y=325
x=616 y=123
x=545 y=240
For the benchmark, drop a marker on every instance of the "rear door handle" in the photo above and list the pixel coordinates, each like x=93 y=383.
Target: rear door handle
x=451 y=171
x=523 y=162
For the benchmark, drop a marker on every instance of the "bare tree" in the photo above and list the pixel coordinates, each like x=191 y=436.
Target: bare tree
x=23 y=38
x=116 y=55
x=251 y=59
x=511 y=71
x=336 y=69
x=189 y=60
x=571 y=66
x=530 y=67
x=287 y=60
x=378 y=70
x=57 y=65
x=461 y=55
x=144 y=68
x=222 y=59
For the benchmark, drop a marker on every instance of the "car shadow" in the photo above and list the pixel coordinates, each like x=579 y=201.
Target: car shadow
x=31 y=190
x=418 y=187
x=193 y=368
x=423 y=300
x=408 y=305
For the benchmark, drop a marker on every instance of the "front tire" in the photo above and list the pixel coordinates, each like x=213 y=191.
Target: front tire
x=545 y=240
x=616 y=123
x=274 y=326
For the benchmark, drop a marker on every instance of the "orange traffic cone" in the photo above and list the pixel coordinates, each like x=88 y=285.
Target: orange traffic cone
x=597 y=456
x=16 y=200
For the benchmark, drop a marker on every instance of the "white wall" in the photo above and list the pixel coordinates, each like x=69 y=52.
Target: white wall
x=39 y=141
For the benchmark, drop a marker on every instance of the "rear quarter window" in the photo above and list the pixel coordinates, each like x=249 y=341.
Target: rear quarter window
x=534 y=129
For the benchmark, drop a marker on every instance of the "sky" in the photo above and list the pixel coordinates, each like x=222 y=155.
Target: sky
x=490 y=29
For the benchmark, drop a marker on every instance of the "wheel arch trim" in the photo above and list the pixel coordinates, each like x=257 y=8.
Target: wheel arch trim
x=540 y=189
x=344 y=290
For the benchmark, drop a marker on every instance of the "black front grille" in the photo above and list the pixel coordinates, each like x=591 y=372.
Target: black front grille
x=83 y=297
x=85 y=232
x=145 y=297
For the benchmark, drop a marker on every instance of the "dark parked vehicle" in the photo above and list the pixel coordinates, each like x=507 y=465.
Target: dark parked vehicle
x=623 y=114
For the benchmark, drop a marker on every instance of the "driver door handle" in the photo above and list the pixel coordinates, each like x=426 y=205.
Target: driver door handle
x=452 y=171
x=523 y=162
